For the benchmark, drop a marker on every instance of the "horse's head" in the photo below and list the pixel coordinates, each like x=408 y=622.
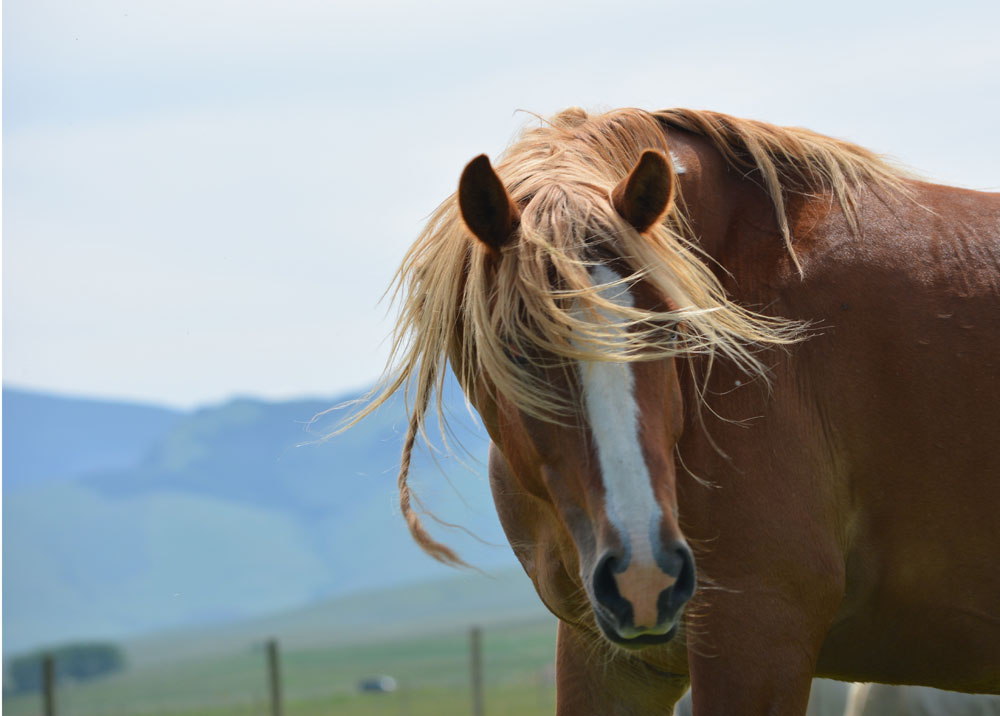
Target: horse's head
x=565 y=288
x=600 y=455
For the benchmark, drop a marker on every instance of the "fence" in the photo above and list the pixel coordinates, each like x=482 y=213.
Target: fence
x=499 y=670
x=484 y=671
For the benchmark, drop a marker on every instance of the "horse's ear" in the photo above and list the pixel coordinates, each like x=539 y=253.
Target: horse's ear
x=643 y=197
x=487 y=208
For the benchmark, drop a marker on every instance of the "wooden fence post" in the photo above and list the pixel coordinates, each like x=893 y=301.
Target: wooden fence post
x=274 y=676
x=48 y=685
x=476 y=661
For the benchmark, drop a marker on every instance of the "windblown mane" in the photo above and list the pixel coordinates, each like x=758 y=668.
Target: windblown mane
x=535 y=306
x=791 y=156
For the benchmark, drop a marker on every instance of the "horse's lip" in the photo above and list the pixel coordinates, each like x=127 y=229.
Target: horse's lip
x=636 y=642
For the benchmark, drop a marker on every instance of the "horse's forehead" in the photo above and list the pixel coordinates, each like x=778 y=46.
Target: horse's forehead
x=602 y=275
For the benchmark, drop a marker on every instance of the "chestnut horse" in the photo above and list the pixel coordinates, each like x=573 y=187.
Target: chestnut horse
x=743 y=389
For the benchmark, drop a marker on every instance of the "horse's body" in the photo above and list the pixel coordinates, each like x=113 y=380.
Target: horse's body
x=842 y=507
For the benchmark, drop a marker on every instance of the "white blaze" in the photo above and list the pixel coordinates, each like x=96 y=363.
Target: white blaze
x=613 y=414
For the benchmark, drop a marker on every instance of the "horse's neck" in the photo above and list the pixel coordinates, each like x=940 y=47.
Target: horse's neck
x=734 y=222
x=719 y=202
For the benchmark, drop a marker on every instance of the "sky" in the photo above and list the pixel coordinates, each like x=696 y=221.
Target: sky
x=207 y=198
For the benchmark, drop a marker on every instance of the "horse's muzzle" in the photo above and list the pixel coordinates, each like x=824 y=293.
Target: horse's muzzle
x=637 y=603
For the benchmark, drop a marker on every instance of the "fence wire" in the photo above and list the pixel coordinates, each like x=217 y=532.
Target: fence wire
x=420 y=675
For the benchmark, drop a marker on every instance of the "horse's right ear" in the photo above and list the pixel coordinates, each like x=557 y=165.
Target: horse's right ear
x=487 y=208
x=643 y=197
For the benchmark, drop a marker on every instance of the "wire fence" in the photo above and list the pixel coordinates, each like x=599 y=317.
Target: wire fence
x=500 y=669
x=483 y=671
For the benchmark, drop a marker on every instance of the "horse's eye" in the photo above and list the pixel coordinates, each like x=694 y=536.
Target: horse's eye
x=672 y=331
x=515 y=355
x=659 y=331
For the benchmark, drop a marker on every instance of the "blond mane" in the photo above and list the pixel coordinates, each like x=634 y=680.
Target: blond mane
x=500 y=320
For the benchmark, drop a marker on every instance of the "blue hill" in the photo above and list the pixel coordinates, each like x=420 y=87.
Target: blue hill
x=231 y=512
x=53 y=437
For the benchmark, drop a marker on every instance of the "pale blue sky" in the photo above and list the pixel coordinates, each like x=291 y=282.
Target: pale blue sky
x=206 y=198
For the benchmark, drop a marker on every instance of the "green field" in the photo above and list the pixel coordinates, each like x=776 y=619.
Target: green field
x=433 y=673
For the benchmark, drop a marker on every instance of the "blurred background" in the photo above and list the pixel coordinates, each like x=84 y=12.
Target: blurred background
x=203 y=203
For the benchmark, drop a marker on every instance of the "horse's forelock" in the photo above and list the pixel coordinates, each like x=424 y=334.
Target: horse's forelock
x=458 y=302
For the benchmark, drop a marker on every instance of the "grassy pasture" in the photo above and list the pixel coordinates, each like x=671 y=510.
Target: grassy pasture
x=432 y=671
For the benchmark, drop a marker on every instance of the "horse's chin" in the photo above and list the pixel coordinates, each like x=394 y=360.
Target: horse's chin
x=638 y=642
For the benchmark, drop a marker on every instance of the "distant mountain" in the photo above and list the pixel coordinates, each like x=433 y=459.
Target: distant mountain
x=444 y=604
x=232 y=511
x=267 y=454
x=48 y=437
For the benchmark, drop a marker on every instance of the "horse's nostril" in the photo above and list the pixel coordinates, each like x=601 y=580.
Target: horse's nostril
x=605 y=587
x=684 y=587
x=643 y=596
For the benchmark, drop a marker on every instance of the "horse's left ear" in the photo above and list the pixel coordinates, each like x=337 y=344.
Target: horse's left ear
x=643 y=197
x=487 y=208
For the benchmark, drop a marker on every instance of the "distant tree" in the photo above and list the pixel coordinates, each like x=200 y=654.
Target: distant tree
x=77 y=661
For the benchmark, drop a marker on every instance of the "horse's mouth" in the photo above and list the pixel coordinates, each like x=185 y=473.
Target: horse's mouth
x=639 y=641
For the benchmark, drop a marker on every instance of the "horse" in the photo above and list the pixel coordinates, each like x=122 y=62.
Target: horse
x=742 y=386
